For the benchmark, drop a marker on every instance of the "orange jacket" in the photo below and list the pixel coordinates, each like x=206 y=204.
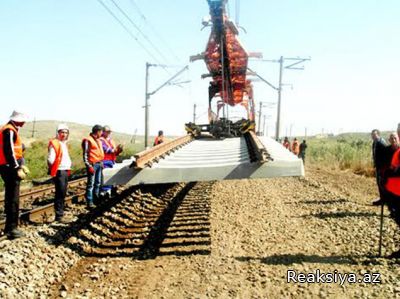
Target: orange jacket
x=96 y=153
x=158 y=140
x=286 y=144
x=393 y=183
x=17 y=144
x=295 y=147
x=55 y=143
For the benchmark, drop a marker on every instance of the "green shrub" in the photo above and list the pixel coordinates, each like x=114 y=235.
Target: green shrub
x=342 y=154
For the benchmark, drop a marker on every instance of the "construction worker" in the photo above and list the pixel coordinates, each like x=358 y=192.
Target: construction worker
x=93 y=156
x=286 y=143
x=302 y=151
x=391 y=182
x=12 y=171
x=378 y=156
x=295 y=147
x=59 y=163
x=111 y=151
x=159 y=139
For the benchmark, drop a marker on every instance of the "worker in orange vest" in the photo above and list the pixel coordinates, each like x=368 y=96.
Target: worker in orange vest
x=59 y=163
x=12 y=171
x=93 y=156
x=111 y=151
x=391 y=179
x=295 y=147
x=159 y=139
x=286 y=143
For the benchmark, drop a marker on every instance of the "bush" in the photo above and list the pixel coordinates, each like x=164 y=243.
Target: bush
x=342 y=154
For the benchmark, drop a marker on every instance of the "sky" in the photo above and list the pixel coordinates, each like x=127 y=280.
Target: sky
x=72 y=61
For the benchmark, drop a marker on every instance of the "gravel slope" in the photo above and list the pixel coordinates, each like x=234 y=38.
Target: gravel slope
x=259 y=229
x=232 y=239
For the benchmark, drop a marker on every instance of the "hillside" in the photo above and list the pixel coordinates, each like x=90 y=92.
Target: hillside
x=46 y=129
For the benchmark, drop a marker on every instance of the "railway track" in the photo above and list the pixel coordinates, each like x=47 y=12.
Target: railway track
x=150 y=221
x=186 y=159
x=37 y=203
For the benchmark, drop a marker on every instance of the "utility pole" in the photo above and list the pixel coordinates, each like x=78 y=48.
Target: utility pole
x=259 y=119
x=194 y=113
x=146 y=107
x=264 y=117
x=148 y=94
x=305 y=133
x=292 y=66
x=33 y=127
x=278 y=116
x=291 y=127
x=133 y=140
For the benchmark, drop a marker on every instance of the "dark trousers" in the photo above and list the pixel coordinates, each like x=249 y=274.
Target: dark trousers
x=12 y=184
x=61 y=184
x=379 y=182
x=393 y=203
x=302 y=156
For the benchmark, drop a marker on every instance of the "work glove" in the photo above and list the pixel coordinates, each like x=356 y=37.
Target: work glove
x=21 y=174
x=69 y=172
x=90 y=170
x=25 y=169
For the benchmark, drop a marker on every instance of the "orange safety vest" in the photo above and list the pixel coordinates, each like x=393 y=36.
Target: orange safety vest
x=96 y=153
x=393 y=183
x=109 y=143
x=295 y=147
x=17 y=144
x=286 y=144
x=55 y=143
x=158 y=140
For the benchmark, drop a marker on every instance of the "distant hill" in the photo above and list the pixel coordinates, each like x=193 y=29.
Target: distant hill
x=46 y=129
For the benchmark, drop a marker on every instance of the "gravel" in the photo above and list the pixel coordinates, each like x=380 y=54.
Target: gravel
x=229 y=239
x=31 y=266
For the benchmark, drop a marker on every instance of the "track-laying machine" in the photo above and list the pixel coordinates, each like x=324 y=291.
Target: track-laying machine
x=226 y=60
x=229 y=150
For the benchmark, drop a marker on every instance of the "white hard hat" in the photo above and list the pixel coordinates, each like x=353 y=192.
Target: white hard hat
x=62 y=127
x=18 y=117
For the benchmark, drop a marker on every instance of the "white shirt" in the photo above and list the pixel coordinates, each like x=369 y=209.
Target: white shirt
x=65 y=163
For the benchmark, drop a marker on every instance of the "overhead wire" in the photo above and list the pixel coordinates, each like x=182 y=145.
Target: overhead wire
x=141 y=14
x=139 y=30
x=128 y=31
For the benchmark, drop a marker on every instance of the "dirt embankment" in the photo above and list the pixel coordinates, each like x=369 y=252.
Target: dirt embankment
x=240 y=238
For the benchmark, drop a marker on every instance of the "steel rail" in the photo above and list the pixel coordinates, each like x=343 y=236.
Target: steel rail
x=42 y=213
x=258 y=148
x=39 y=192
x=147 y=157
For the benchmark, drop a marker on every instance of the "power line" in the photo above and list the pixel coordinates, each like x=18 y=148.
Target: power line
x=237 y=12
x=128 y=31
x=140 y=31
x=141 y=14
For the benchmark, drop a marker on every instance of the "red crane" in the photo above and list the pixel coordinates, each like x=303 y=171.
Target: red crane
x=226 y=60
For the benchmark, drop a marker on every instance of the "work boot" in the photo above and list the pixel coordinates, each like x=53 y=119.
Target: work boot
x=15 y=234
x=395 y=255
x=378 y=202
x=90 y=206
